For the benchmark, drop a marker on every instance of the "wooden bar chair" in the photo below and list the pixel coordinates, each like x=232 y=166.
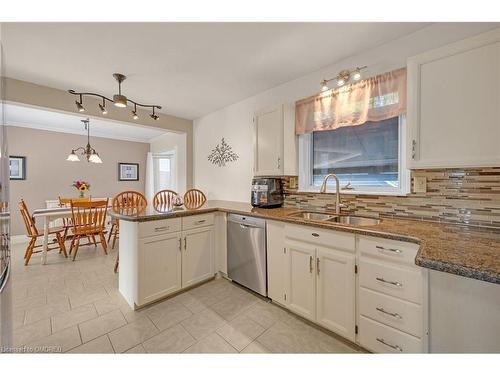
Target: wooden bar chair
x=194 y=198
x=89 y=220
x=164 y=199
x=33 y=233
x=125 y=203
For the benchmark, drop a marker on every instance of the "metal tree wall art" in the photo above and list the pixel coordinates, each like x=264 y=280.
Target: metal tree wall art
x=222 y=154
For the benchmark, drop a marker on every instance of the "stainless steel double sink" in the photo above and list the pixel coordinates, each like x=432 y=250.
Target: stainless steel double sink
x=341 y=219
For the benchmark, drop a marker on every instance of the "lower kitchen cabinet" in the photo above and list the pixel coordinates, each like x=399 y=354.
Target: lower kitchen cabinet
x=160 y=264
x=321 y=283
x=197 y=256
x=323 y=274
x=335 y=291
x=161 y=257
x=301 y=278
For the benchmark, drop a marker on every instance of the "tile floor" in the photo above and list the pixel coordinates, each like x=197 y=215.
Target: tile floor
x=75 y=307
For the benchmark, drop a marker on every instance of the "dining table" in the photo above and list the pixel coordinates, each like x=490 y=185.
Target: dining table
x=49 y=215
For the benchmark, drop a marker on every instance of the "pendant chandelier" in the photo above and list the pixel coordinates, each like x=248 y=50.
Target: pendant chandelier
x=88 y=151
x=119 y=100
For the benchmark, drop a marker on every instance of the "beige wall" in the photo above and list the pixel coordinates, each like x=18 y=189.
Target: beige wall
x=49 y=175
x=17 y=91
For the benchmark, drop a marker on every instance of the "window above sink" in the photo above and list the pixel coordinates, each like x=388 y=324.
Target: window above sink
x=368 y=159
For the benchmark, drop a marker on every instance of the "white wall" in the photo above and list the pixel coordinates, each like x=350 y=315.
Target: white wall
x=174 y=142
x=234 y=122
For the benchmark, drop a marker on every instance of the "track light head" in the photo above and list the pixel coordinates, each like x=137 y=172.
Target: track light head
x=324 y=85
x=134 y=115
x=154 y=116
x=103 y=109
x=79 y=106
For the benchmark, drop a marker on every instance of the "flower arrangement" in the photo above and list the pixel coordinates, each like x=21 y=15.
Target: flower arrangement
x=81 y=186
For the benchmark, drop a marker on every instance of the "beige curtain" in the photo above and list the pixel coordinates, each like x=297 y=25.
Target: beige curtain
x=374 y=99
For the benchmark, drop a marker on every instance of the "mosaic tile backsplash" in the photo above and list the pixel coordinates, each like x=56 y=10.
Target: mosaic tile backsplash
x=468 y=196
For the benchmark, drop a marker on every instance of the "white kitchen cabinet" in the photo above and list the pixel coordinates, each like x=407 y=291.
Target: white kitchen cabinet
x=301 y=296
x=275 y=142
x=276 y=261
x=197 y=256
x=161 y=257
x=160 y=264
x=335 y=302
x=320 y=283
x=454 y=104
x=392 y=297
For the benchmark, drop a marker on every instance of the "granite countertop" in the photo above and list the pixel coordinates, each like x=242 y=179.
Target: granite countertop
x=458 y=249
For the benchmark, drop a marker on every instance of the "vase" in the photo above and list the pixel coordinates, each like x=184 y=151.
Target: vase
x=82 y=194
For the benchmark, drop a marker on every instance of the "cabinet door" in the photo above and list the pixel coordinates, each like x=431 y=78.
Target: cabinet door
x=335 y=303
x=454 y=104
x=276 y=261
x=197 y=256
x=301 y=296
x=268 y=139
x=160 y=267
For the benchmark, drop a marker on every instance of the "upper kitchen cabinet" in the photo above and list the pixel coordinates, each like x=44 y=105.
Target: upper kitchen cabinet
x=454 y=104
x=275 y=142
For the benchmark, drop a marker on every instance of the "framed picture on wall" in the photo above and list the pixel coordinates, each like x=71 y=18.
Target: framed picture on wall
x=17 y=167
x=128 y=171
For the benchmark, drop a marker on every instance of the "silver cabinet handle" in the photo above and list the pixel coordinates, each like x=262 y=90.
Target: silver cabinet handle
x=395 y=315
x=395 y=347
x=396 y=283
x=200 y=221
x=185 y=243
x=317 y=266
x=160 y=229
x=381 y=248
x=180 y=244
x=279 y=163
x=413 y=149
x=311 y=264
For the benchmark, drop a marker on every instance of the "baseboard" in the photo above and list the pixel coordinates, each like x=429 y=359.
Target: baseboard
x=20 y=238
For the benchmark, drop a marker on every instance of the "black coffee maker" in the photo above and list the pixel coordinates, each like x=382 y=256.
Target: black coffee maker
x=267 y=192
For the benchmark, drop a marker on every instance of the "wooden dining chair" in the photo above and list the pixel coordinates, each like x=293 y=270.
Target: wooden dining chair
x=88 y=220
x=126 y=203
x=194 y=198
x=164 y=199
x=66 y=202
x=33 y=233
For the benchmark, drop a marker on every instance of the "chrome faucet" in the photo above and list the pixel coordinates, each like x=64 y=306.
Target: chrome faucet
x=322 y=189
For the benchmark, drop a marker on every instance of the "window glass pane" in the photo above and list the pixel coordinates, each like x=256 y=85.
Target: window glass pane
x=366 y=155
x=163 y=173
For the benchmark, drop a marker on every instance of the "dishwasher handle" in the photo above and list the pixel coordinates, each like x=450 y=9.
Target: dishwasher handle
x=246 y=226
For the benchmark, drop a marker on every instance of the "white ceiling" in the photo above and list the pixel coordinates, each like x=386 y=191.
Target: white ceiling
x=36 y=118
x=190 y=69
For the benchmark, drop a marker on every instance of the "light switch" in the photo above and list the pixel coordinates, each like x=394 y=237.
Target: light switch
x=293 y=182
x=419 y=184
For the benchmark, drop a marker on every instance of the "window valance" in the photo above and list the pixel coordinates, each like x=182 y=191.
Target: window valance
x=374 y=99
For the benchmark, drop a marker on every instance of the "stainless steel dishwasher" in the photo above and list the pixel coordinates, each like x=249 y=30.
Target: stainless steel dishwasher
x=246 y=252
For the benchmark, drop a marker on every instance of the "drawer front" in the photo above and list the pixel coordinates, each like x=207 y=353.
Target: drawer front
x=197 y=221
x=394 y=312
x=389 y=250
x=327 y=238
x=156 y=227
x=380 y=338
x=397 y=281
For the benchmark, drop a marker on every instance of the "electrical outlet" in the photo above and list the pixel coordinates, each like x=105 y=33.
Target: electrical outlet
x=419 y=184
x=293 y=182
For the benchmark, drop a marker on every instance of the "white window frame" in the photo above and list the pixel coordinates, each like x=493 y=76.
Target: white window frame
x=173 y=165
x=306 y=163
